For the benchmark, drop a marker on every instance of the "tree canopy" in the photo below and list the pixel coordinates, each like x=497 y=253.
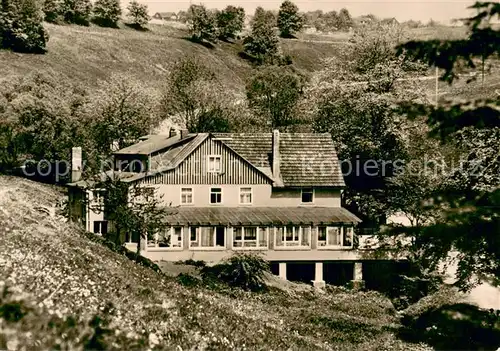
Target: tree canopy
x=230 y=22
x=290 y=20
x=138 y=14
x=21 y=26
x=469 y=199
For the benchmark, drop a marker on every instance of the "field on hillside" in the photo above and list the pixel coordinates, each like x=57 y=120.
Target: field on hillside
x=85 y=55
x=60 y=282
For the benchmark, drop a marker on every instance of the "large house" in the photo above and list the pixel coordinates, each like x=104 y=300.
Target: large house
x=274 y=193
x=166 y=16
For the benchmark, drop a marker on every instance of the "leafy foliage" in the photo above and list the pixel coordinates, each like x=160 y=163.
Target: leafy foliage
x=77 y=11
x=130 y=209
x=21 y=27
x=202 y=23
x=262 y=44
x=197 y=98
x=39 y=119
x=469 y=198
x=53 y=11
x=451 y=54
x=106 y=13
x=123 y=110
x=274 y=93
x=138 y=14
x=244 y=271
x=262 y=17
x=331 y=21
x=230 y=22
x=290 y=20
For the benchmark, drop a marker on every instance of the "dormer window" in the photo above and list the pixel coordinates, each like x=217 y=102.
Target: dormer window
x=307 y=195
x=214 y=164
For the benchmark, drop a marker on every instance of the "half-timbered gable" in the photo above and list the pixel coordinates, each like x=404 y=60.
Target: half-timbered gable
x=194 y=169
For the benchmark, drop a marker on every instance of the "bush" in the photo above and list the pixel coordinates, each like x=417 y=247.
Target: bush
x=245 y=271
x=191 y=262
x=409 y=290
x=107 y=13
x=53 y=11
x=21 y=27
x=188 y=280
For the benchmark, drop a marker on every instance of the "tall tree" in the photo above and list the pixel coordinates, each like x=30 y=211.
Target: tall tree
x=196 y=99
x=21 y=26
x=344 y=20
x=372 y=138
x=202 y=23
x=262 y=17
x=290 y=20
x=106 y=13
x=470 y=201
x=123 y=111
x=138 y=14
x=40 y=118
x=230 y=21
x=262 y=44
x=273 y=93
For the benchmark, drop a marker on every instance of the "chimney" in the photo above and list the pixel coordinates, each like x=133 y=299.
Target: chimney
x=115 y=145
x=172 y=133
x=76 y=164
x=184 y=133
x=276 y=157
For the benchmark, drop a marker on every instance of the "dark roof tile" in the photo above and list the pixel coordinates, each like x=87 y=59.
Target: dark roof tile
x=261 y=216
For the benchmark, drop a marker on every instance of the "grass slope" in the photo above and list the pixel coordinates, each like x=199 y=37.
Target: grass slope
x=71 y=292
x=86 y=54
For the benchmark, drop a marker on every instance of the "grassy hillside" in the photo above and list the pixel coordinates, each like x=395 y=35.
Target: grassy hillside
x=87 y=54
x=84 y=55
x=70 y=291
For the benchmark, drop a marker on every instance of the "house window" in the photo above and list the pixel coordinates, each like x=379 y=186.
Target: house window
x=291 y=236
x=348 y=238
x=207 y=237
x=216 y=196
x=245 y=237
x=335 y=236
x=131 y=238
x=307 y=195
x=186 y=196
x=101 y=227
x=245 y=196
x=214 y=164
x=99 y=197
x=171 y=237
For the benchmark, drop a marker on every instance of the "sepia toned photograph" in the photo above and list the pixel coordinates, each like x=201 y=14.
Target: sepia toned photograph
x=243 y=175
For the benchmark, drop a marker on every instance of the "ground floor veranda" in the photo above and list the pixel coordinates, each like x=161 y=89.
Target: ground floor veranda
x=281 y=236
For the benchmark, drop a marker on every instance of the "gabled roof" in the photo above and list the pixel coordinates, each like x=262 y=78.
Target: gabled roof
x=306 y=159
x=152 y=144
x=166 y=14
